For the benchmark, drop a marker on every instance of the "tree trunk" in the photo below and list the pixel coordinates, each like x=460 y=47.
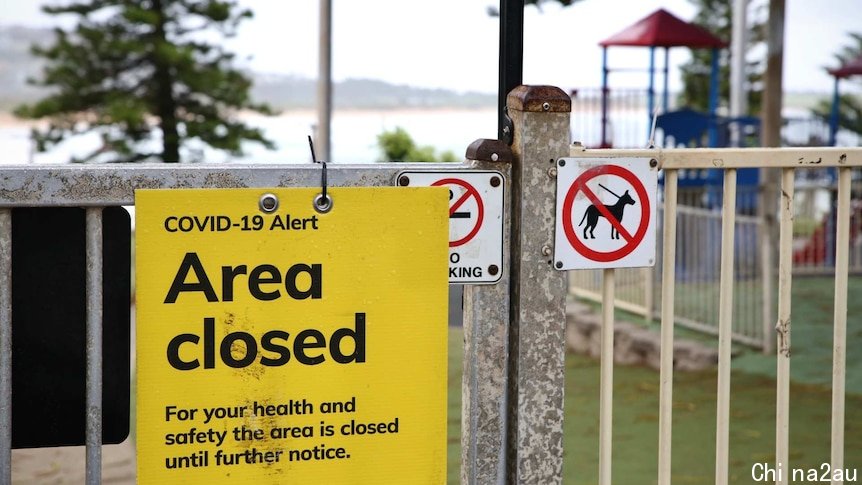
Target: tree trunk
x=165 y=104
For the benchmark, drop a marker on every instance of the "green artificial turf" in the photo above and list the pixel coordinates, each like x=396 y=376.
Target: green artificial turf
x=752 y=430
x=811 y=317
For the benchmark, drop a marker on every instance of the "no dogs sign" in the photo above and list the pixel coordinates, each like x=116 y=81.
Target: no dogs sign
x=278 y=344
x=606 y=213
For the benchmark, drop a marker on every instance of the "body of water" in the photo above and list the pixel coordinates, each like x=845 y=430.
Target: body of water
x=354 y=136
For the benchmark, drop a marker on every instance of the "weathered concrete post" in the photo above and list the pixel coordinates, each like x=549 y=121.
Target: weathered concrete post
x=540 y=115
x=486 y=346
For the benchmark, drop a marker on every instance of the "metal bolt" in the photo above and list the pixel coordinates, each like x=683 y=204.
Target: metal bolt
x=718 y=162
x=653 y=163
x=546 y=106
x=506 y=130
x=494 y=157
x=552 y=172
x=268 y=203
x=559 y=265
x=404 y=181
x=546 y=250
x=495 y=181
x=493 y=270
x=562 y=163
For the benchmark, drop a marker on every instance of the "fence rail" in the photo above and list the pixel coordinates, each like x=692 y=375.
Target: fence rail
x=813 y=253
x=697 y=271
x=789 y=160
x=99 y=186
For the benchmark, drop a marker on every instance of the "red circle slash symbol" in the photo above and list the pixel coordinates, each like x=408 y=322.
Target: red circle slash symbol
x=580 y=185
x=469 y=192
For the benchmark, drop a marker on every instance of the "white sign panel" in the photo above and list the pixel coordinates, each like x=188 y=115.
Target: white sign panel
x=606 y=213
x=475 y=221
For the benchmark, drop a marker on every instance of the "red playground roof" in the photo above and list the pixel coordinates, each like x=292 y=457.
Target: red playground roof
x=850 y=68
x=663 y=29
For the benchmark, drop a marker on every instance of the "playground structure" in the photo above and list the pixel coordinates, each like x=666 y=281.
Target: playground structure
x=846 y=70
x=700 y=190
x=662 y=29
x=622 y=118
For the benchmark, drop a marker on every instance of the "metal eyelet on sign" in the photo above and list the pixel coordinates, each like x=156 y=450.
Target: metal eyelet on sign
x=268 y=203
x=322 y=203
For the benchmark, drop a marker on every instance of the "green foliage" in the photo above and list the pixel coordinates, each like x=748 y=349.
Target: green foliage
x=849 y=112
x=564 y=3
x=716 y=16
x=130 y=67
x=493 y=11
x=849 y=105
x=398 y=146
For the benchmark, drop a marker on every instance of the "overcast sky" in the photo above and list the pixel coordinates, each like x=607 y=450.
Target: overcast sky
x=453 y=43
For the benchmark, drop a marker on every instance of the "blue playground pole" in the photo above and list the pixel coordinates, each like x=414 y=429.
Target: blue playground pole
x=713 y=100
x=665 y=103
x=833 y=116
x=605 y=94
x=651 y=93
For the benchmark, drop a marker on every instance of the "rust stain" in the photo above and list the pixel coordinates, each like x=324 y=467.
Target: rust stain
x=788 y=202
x=783 y=330
x=533 y=98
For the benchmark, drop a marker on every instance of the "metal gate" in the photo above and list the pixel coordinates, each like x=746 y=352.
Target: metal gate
x=730 y=160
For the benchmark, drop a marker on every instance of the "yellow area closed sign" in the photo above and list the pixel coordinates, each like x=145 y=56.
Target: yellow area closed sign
x=290 y=346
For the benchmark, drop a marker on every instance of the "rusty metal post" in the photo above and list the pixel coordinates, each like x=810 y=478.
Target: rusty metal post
x=486 y=347
x=540 y=115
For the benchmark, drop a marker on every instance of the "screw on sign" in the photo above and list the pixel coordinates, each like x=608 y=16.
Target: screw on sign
x=613 y=213
x=461 y=201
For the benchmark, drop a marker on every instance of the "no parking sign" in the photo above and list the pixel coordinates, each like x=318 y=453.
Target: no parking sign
x=606 y=213
x=475 y=221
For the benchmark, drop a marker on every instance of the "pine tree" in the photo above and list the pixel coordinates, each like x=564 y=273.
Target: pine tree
x=716 y=16
x=849 y=105
x=493 y=11
x=133 y=69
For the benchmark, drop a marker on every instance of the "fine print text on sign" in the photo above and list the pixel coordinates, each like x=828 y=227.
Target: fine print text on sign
x=287 y=345
x=606 y=213
x=475 y=221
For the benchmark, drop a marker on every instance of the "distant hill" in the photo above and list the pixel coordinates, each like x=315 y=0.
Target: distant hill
x=280 y=91
x=288 y=92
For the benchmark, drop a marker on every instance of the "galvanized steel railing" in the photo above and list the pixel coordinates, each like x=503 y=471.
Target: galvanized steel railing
x=97 y=186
